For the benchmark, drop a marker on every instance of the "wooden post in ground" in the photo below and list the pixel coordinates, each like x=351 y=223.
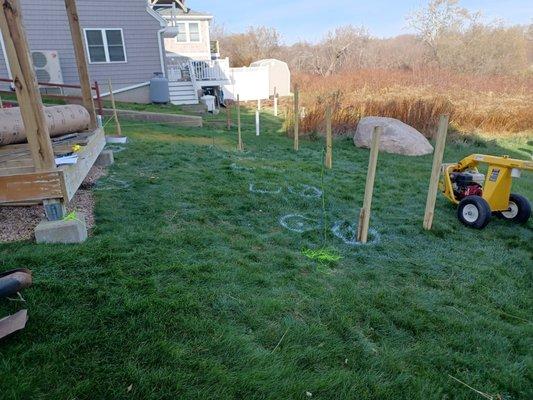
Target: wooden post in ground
x=228 y=117
x=435 y=172
x=329 y=140
x=1 y=102
x=29 y=97
x=113 y=105
x=364 y=216
x=275 y=102
x=296 y=118
x=81 y=60
x=239 y=137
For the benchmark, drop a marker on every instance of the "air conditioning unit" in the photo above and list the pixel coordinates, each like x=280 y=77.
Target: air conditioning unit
x=47 y=66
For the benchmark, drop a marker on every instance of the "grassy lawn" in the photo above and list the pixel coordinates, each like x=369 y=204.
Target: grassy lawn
x=195 y=284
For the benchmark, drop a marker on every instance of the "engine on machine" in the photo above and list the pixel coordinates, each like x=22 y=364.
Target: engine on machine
x=468 y=183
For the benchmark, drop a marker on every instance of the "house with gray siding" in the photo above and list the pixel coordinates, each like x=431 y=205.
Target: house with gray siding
x=124 y=43
x=127 y=44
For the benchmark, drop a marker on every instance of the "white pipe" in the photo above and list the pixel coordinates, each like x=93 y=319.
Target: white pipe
x=275 y=106
x=257 y=128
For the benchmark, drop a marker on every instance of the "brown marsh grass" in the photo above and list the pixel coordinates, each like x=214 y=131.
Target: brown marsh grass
x=476 y=104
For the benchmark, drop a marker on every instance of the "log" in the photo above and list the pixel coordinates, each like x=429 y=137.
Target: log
x=61 y=120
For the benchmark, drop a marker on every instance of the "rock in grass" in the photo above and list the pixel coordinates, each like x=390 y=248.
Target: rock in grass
x=397 y=137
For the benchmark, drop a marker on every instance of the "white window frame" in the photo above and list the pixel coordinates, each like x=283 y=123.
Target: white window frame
x=188 y=31
x=106 y=46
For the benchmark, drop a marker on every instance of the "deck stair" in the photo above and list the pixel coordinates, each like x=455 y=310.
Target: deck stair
x=183 y=92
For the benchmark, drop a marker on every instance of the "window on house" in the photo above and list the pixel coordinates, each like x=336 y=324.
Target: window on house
x=105 y=45
x=194 y=32
x=182 y=32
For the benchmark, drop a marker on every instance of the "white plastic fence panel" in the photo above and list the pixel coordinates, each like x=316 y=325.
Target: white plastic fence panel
x=250 y=83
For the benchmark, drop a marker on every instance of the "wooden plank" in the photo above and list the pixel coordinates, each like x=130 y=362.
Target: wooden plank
x=296 y=118
x=329 y=139
x=34 y=186
x=25 y=82
x=81 y=60
x=73 y=175
x=435 y=172
x=364 y=216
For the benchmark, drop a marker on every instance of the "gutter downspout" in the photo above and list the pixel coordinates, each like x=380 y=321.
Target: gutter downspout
x=161 y=49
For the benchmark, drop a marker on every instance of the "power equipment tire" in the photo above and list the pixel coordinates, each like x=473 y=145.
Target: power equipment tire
x=474 y=212
x=519 y=209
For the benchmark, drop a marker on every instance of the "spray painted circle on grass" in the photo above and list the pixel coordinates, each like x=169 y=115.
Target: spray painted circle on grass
x=254 y=189
x=237 y=167
x=115 y=149
x=112 y=184
x=347 y=232
x=298 y=223
x=308 y=191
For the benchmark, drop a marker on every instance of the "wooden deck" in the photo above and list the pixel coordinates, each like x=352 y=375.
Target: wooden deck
x=19 y=183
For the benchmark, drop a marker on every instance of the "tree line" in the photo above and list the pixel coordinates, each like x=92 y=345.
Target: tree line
x=447 y=36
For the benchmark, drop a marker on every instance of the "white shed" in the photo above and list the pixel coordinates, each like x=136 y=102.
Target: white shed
x=280 y=75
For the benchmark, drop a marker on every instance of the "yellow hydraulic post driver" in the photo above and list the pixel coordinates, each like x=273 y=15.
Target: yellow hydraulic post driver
x=478 y=196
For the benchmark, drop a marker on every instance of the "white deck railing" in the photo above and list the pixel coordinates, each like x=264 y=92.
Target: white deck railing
x=198 y=71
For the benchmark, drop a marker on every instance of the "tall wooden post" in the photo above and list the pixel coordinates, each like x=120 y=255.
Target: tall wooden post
x=29 y=97
x=81 y=60
x=26 y=88
x=364 y=216
x=296 y=118
x=435 y=172
x=114 y=106
x=329 y=141
x=239 y=137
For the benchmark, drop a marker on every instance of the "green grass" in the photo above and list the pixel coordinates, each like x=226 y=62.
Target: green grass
x=191 y=289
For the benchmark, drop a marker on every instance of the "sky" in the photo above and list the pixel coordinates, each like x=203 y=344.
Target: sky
x=310 y=19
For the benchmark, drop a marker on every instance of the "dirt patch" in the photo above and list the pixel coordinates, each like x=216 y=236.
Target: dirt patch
x=18 y=223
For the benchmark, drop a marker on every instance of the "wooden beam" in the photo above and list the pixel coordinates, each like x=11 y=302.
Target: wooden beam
x=435 y=172
x=364 y=216
x=73 y=175
x=25 y=82
x=81 y=60
x=33 y=186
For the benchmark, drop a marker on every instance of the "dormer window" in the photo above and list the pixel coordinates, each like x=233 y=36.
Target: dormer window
x=188 y=32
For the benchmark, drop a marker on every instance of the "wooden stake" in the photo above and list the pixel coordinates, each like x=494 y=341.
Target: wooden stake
x=228 y=117
x=113 y=105
x=1 y=102
x=329 y=141
x=275 y=102
x=296 y=118
x=435 y=172
x=364 y=216
x=81 y=60
x=239 y=143
x=25 y=83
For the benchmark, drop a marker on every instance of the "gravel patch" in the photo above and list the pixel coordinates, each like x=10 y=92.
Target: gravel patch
x=18 y=223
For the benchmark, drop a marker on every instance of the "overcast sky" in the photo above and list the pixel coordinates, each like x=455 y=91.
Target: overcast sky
x=310 y=19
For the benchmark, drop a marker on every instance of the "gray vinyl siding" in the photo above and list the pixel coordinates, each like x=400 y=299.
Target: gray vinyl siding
x=47 y=29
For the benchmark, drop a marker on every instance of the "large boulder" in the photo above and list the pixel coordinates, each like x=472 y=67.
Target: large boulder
x=397 y=137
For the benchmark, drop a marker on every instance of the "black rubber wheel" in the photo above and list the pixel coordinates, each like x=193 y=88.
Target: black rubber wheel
x=519 y=209
x=474 y=212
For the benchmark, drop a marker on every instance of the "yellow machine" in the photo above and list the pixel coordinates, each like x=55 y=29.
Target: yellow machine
x=478 y=197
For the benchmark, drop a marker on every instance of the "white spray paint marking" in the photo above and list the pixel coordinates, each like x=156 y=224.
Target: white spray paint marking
x=348 y=234
x=306 y=191
x=253 y=189
x=298 y=223
x=113 y=184
x=116 y=149
x=236 y=167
